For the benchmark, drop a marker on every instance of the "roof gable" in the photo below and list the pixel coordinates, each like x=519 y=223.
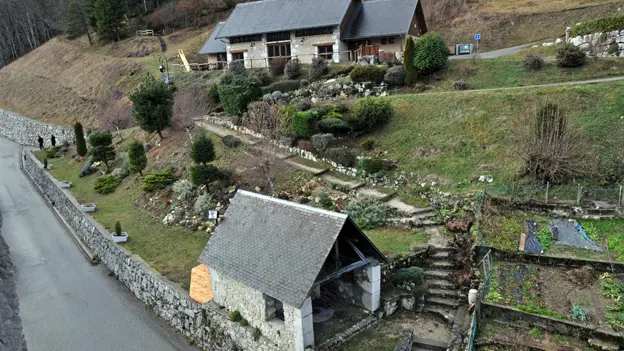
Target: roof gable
x=282 y=15
x=274 y=246
x=378 y=18
x=212 y=44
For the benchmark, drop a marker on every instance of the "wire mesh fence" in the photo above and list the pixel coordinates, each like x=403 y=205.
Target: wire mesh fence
x=553 y=194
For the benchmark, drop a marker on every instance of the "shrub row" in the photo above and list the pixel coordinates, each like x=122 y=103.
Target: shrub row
x=368 y=73
x=601 y=25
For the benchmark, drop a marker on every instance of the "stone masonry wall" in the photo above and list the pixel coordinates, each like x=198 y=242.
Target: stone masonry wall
x=207 y=325
x=598 y=44
x=25 y=131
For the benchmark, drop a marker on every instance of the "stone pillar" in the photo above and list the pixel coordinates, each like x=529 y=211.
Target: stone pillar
x=371 y=286
x=303 y=326
x=568 y=33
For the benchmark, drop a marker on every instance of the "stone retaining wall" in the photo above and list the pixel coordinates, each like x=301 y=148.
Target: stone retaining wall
x=207 y=325
x=599 y=44
x=25 y=131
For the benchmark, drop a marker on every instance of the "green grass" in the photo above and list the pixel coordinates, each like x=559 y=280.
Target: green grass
x=397 y=240
x=510 y=72
x=173 y=251
x=473 y=133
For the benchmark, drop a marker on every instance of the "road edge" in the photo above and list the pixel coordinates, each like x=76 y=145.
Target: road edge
x=91 y=257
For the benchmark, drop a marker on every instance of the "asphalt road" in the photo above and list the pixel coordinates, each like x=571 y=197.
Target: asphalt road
x=494 y=54
x=66 y=303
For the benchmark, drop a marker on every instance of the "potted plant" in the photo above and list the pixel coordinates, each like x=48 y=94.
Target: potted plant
x=86 y=208
x=46 y=165
x=65 y=184
x=119 y=236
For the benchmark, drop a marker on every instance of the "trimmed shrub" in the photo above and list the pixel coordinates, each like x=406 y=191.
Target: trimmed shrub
x=342 y=156
x=86 y=168
x=371 y=165
x=570 y=56
x=285 y=115
x=102 y=147
x=231 y=141
x=204 y=203
x=408 y=62
x=341 y=71
x=368 y=73
x=600 y=25
x=395 y=75
x=333 y=125
x=303 y=124
x=368 y=144
x=263 y=76
x=105 y=184
x=157 y=180
x=203 y=174
x=368 y=213
x=325 y=201
x=237 y=67
x=237 y=91
x=411 y=276
x=52 y=151
x=283 y=86
x=318 y=68
x=202 y=149
x=137 y=160
x=277 y=65
x=533 y=62
x=117 y=228
x=430 y=53
x=213 y=93
x=372 y=112
x=184 y=189
x=120 y=173
x=305 y=82
x=304 y=104
x=292 y=69
x=460 y=85
x=324 y=111
x=322 y=141
x=81 y=143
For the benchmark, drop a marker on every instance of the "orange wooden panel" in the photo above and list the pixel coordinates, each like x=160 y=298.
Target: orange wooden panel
x=201 y=290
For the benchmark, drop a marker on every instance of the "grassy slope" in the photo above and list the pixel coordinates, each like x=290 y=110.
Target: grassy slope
x=472 y=134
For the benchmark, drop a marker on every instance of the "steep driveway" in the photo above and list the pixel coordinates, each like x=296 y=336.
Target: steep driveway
x=67 y=304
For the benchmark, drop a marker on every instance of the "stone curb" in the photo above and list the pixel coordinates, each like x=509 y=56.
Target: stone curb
x=91 y=257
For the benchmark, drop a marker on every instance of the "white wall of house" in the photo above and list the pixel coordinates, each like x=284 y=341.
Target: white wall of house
x=295 y=332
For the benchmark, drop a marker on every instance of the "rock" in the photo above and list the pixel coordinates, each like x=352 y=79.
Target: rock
x=558 y=41
x=548 y=44
x=408 y=303
x=257 y=189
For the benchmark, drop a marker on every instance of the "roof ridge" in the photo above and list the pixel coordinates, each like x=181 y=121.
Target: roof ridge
x=293 y=204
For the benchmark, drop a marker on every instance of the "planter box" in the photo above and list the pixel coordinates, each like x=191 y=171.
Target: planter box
x=88 y=208
x=120 y=238
x=65 y=184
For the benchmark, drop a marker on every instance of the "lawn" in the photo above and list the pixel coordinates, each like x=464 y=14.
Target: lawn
x=470 y=134
x=173 y=251
x=397 y=240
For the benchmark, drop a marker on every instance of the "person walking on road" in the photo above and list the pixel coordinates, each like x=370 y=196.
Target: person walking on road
x=40 y=140
x=53 y=141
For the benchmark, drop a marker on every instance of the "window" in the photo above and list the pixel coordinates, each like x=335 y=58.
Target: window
x=390 y=40
x=326 y=52
x=279 y=36
x=314 y=31
x=279 y=50
x=369 y=42
x=384 y=41
x=238 y=56
x=246 y=39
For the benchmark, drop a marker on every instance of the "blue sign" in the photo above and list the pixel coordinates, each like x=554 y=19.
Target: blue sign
x=477 y=36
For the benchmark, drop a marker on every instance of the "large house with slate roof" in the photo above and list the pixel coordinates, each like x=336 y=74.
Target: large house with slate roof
x=337 y=30
x=272 y=260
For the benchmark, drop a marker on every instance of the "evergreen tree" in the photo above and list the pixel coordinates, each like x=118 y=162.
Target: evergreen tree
x=203 y=174
x=202 y=150
x=152 y=105
x=107 y=17
x=136 y=158
x=408 y=62
x=81 y=143
x=102 y=144
x=76 y=20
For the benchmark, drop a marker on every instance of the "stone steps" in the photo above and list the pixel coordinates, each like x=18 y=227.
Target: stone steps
x=409 y=210
x=442 y=302
x=279 y=153
x=436 y=274
x=443 y=293
x=313 y=170
x=428 y=345
x=374 y=193
x=440 y=284
x=440 y=255
x=442 y=265
x=445 y=313
x=333 y=178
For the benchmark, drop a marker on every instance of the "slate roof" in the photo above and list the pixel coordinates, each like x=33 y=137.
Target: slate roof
x=281 y=15
x=213 y=45
x=379 y=18
x=274 y=246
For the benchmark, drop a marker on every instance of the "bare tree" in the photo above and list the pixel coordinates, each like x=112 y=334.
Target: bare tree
x=114 y=114
x=190 y=102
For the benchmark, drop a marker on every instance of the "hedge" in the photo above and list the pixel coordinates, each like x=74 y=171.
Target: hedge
x=237 y=91
x=601 y=25
x=367 y=73
x=303 y=124
x=283 y=86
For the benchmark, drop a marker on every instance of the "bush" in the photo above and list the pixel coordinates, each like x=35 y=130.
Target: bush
x=86 y=168
x=570 y=56
x=263 y=76
x=579 y=313
x=120 y=173
x=318 y=68
x=231 y=141
x=204 y=203
x=52 y=151
x=202 y=149
x=237 y=91
x=304 y=104
x=342 y=156
x=292 y=69
x=203 y=174
x=235 y=316
x=408 y=62
x=305 y=82
x=285 y=115
x=105 y=184
x=460 y=85
x=395 y=75
x=157 y=180
x=371 y=165
x=368 y=73
x=137 y=161
x=368 y=144
x=237 y=67
x=213 y=93
x=303 y=124
x=81 y=144
x=152 y=105
x=327 y=111
x=277 y=65
x=184 y=189
x=283 y=86
x=325 y=201
x=322 y=141
x=411 y=276
x=601 y=25
x=533 y=62
x=333 y=125
x=368 y=213
x=372 y=112
x=430 y=53
x=102 y=147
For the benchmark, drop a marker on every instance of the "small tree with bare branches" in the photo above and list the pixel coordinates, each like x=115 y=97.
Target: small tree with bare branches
x=190 y=102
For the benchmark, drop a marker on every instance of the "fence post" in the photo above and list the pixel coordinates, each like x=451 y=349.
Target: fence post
x=513 y=192
x=547 y=190
x=578 y=194
x=620 y=197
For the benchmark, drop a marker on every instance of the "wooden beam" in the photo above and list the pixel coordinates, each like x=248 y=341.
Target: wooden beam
x=339 y=273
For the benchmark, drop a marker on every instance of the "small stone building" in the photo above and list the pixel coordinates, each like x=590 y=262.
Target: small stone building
x=269 y=259
x=338 y=30
x=214 y=49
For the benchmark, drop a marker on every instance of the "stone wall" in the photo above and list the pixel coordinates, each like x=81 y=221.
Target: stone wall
x=207 y=325
x=599 y=44
x=25 y=131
